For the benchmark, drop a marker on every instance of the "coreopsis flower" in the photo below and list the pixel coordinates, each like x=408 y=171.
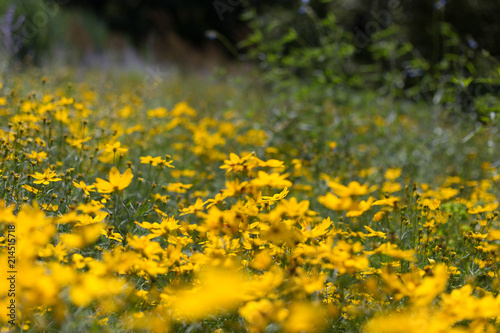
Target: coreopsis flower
x=46 y=177
x=219 y=197
x=92 y=207
x=487 y=208
x=198 y=205
x=151 y=160
x=85 y=219
x=373 y=233
x=115 y=148
x=258 y=314
x=432 y=204
x=116 y=183
x=353 y=189
x=275 y=197
x=82 y=236
x=358 y=208
x=333 y=202
x=78 y=143
x=494 y=235
x=39 y=156
x=182 y=109
x=235 y=163
x=178 y=187
x=304 y=317
x=294 y=208
x=50 y=207
x=280 y=233
x=161 y=198
x=84 y=187
x=319 y=230
x=391 y=201
x=157 y=113
x=421 y=290
x=393 y=251
x=30 y=189
x=110 y=234
x=274 y=180
x=416 y=321
x=154 y=161
x=272 y=163
x=390 y=187
x=262 y=261
x=234 y=188
x=392 y=174
x=219 y=291
x=89 y=287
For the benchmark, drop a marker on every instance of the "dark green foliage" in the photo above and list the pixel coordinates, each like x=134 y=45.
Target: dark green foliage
x=308 y=54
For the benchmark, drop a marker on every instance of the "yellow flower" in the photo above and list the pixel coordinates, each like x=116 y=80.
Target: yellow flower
x=89 y=287
x=353 y=189
x=159 y=197
x=87 y=219
x=421 y=291
x=258 y=314
x=357 y=209
x=392 y=174
x=220 y=290
x=304 y=317
x=45 y=177
x=30 y=189
x=487 y=208
x=275 y=197
x=219 y=197
x=262 y=261
x=433 y=204
x=151 y=160
x=393 y=251
x=390 y=187
x=494 y=235
x=178 y=187
x=157 y=113
x=37 y=156
x=235 y=163
x=198 y=205
x=78 y=143
x=181 y=109
x=114 y=148
x=373 y=233
x=81 y=236
x=116 y=183
x=294 y=208
x=386 y=202
x=333 y=202
x=86 y=188
x=274 y=180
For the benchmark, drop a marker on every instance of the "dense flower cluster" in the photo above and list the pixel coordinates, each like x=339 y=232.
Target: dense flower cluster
x=217 y=232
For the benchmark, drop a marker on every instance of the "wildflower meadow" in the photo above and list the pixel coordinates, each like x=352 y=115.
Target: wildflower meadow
x=122 y=215
x=339 y=171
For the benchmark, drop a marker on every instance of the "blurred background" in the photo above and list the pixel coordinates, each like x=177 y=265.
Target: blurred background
x=308 y=51
x=200 y=33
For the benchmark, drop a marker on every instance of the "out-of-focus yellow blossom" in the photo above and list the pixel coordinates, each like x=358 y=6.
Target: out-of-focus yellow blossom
x=115 y=148
x=116 y=183
x=353 y=189
x=218 y=290
x=392 y=174
x=393 y=251
x=304 y=317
